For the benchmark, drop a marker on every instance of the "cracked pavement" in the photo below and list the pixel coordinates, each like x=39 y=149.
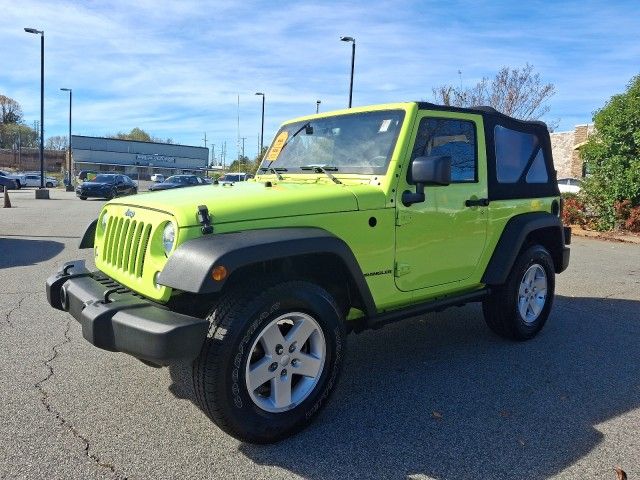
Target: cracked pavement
x=432 y=397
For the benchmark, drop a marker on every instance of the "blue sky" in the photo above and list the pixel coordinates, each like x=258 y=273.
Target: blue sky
x=175 y=68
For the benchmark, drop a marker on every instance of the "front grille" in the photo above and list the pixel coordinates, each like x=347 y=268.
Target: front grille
x=125 y=245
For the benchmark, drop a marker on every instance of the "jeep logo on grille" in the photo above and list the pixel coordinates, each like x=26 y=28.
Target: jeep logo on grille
x=129 y=213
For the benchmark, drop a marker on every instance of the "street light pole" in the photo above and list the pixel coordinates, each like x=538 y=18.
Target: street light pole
x=262 y=127
x=69 y=185
x=318 y=102
x=353 y=59
x=41 y=33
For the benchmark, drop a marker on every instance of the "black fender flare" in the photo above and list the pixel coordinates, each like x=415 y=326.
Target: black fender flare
x=89 y=235
x=515 y=233
x=189 y=266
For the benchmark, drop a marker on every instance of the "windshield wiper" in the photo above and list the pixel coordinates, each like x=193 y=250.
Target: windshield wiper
x=322 y=169
x=308 y=129
x=275 y=171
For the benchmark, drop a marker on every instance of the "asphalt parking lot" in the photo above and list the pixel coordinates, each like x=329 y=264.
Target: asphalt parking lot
x=437 y=396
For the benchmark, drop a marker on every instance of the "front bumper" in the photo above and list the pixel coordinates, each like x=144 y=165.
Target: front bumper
x=92 y=193
x=115 y=319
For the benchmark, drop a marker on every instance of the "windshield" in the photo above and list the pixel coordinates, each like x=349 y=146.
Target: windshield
x=232 y=177
x=351 y=143
x=176 y=179
x=104 y=179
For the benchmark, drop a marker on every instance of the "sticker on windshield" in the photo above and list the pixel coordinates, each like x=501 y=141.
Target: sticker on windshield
x=277 y=146
x=384 y=126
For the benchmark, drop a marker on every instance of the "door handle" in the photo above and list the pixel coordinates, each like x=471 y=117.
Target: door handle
x=479 y=202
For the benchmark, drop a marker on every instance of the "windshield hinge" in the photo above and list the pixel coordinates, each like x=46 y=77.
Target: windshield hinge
x=402 y=269
x=204 y=219
x=403 y=217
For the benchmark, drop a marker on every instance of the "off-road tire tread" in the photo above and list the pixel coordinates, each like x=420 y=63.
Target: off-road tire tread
x=223 y=322
x=499 y=308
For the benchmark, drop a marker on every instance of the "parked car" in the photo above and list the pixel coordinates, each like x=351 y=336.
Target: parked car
x=179 y=181
x=10 y=183
x=234 y=177
x=106 y=185
x=569 y=185
x=84 y=175
x=18 y=177
x=157 y=177
x=33 y=180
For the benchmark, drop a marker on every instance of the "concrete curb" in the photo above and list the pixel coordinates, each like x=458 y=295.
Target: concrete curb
x=578 y=231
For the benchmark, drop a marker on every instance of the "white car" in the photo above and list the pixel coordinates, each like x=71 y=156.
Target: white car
x=230 y=178
x=157 y=177
x=33 y=180
x=569 y=185
x=18 y=177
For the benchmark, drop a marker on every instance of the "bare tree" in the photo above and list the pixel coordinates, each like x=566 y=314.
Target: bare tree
x=519 y=93
x=57 y=142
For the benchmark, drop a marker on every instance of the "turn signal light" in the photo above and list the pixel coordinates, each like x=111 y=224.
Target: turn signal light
x=219 y=273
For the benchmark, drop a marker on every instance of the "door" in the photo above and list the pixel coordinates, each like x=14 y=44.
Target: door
x=440 y=240
x=121 y=185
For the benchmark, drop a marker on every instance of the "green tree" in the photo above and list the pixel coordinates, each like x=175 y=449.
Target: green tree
x=612 y=156
x=139 y=135
x=246 y=165
x=13 y=131
x=10 y=110
x=518 y=92
x=136 y=133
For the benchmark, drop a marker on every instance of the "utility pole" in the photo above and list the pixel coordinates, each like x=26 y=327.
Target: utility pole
x=205 y=139
x=213 y=154
x=238 y=143
x=243 y=157
x=224 y=155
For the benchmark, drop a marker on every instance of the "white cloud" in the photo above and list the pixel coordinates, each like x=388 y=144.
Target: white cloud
x=175 y=68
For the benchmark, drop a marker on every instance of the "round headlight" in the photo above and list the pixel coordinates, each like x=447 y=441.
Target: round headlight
x=104 y=220
x=168 y=238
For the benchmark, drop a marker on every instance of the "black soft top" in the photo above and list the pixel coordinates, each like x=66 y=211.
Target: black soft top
x=492 y=118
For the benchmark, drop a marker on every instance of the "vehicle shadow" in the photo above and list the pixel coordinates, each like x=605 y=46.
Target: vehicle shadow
x=18 y=252
x=442 y=396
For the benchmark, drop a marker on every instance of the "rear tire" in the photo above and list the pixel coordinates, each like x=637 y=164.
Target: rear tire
x=18 y=185
x=83 y=198
x=49 y=185
x=258 y=389
x=519 y=308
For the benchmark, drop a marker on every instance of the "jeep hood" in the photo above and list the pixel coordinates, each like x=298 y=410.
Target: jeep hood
x=244 y=201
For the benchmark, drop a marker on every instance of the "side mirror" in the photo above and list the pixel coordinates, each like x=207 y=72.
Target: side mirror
x=435 y=170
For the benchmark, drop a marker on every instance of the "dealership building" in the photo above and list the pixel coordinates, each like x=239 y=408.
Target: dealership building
x=136 y=159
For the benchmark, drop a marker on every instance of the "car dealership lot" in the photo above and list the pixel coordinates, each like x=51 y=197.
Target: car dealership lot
x=437 y=396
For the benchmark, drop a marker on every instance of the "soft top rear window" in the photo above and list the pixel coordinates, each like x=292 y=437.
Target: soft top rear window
x=519 y=156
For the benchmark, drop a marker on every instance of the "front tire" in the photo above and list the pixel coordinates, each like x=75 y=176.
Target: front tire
x=519 y=308
x=271 y=359
x=49 y=185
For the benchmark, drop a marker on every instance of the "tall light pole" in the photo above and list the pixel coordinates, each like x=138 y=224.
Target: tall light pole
x=353 y=60
x=262 y=127
x=41 y=33
x=69 y=185
x=318 y=102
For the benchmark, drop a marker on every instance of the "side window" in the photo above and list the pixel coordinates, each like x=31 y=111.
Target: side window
x=452 y=138
x=519 y=154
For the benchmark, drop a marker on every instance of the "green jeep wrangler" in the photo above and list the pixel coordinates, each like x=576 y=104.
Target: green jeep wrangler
x=356 y=218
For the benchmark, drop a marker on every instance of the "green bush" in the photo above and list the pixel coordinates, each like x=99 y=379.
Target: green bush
x=612 y=155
